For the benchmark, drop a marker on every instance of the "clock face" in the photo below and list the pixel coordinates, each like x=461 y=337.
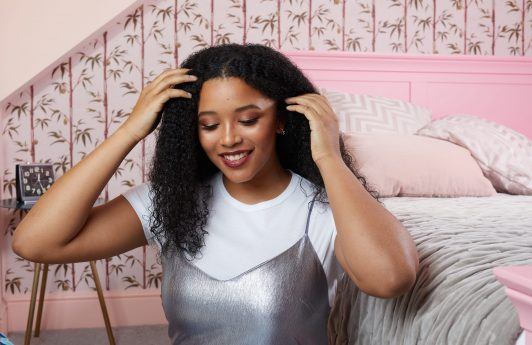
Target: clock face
x=36 y=179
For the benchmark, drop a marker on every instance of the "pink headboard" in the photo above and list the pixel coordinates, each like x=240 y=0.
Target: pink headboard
x=496 y=88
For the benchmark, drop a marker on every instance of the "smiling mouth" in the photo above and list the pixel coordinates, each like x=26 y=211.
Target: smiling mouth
x=234 y=161
x=236 y=157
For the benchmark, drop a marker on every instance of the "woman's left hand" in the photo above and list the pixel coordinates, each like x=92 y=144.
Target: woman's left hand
x=325 y=132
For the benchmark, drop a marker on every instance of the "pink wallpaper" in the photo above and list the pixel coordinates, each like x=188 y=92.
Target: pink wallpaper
x=65 y=114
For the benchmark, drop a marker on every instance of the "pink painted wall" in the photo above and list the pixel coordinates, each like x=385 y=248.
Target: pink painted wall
x=61 y=115
x=34 y=34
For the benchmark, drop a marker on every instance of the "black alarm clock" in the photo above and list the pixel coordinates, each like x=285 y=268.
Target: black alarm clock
x=33 y=180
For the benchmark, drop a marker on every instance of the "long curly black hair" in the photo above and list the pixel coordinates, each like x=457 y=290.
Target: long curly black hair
x=180 y=169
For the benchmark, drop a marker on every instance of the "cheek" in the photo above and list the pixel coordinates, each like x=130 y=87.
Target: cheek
x=207 y=142
x=263 y=132
x=258 y=133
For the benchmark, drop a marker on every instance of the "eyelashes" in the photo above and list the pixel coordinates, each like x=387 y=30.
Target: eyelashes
x=245 y=123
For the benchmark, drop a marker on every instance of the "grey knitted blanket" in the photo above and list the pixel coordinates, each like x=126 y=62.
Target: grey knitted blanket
x=456 y=299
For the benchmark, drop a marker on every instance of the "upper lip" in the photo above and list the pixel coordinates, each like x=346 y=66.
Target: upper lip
x=234 y=152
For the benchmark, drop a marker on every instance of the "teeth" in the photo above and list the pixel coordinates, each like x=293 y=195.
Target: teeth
x=235 y=157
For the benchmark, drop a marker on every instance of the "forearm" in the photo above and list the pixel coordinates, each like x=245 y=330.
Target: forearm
x=60 y=213
x=377 y=249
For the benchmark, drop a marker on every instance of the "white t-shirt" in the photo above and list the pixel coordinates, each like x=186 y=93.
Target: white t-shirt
x=241 y=236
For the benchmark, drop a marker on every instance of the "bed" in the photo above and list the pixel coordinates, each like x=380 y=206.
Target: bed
x=460 y=240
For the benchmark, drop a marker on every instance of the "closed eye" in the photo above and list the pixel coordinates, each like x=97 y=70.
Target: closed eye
x=249 y=121
x=246 y=123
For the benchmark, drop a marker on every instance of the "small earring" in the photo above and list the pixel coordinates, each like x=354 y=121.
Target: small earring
x=282 y=131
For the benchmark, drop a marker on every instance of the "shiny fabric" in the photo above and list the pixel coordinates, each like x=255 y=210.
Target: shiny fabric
x=281 y=301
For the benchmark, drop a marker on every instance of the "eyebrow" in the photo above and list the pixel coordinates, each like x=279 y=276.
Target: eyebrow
x=239 y=109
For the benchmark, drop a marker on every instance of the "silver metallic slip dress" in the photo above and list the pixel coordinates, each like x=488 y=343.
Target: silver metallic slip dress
x=283 y=300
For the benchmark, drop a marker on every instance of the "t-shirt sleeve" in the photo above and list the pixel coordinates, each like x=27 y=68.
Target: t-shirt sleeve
x=140 y=199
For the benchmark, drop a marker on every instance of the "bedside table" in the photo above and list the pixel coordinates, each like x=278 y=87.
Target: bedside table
x=518 y=282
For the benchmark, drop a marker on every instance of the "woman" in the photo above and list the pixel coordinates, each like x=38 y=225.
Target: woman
x=245 y=148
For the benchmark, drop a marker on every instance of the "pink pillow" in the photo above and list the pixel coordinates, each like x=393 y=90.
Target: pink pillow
x=410 y=165
x=504 y=155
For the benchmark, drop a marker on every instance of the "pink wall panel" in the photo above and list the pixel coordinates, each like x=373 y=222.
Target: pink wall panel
x=505 y=103
x=386 y=88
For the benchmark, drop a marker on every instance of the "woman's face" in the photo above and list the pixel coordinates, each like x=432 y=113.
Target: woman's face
x=233 y=116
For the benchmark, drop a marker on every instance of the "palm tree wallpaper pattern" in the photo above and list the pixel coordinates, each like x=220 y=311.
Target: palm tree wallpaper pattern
x=63 y=116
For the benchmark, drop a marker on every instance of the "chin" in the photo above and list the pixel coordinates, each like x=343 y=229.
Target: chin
x=239 y=176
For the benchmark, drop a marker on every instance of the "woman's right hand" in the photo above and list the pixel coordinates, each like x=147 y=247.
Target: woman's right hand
x=146 y=113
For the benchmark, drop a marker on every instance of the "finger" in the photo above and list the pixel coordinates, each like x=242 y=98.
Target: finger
x=311 y=101
x=307 y=111
x=170 y=81
x=323 y=104
x=171 y=93
x=164 y=74
x=316 y=102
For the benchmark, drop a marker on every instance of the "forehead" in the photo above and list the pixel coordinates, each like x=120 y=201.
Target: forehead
x=230 y=92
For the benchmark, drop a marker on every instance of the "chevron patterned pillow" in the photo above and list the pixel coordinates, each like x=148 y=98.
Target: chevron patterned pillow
x=360 y=113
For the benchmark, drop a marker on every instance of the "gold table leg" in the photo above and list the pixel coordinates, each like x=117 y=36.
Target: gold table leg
x=102 y=303
x=41 y=300
x=35 y=285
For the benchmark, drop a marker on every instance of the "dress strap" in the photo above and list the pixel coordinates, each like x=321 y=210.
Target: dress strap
x=309 y=212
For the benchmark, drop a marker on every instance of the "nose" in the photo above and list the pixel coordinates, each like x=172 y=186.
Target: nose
x=230 y=136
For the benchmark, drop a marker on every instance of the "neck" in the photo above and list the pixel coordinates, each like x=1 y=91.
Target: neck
x=266 y=185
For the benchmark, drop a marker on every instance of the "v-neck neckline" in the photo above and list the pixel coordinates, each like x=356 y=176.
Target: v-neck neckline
x=264 y=263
